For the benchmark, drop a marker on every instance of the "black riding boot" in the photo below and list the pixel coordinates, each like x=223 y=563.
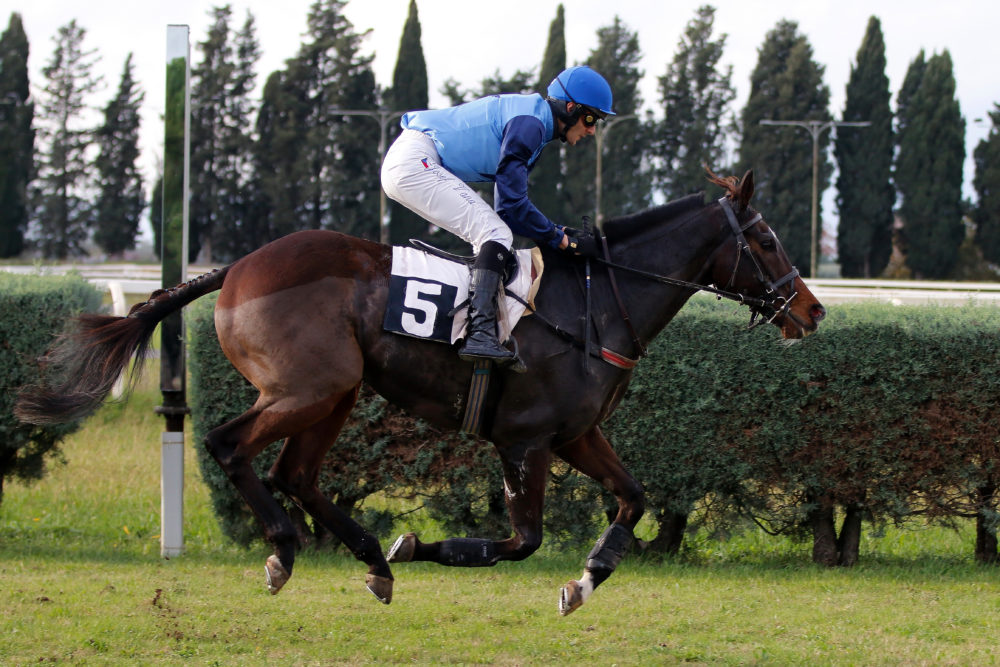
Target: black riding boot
x=481 y=331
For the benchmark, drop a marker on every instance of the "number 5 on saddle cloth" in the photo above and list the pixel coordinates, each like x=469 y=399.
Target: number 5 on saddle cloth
x=428 y=292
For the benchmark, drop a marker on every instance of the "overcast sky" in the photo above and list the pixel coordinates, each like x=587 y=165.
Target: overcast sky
x=468 y=40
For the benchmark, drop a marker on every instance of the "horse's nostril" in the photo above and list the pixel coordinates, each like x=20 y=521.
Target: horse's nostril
x=817 y=312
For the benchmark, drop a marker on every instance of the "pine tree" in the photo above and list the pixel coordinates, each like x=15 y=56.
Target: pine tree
x=696 y=98
x=234 y=230
x=409 y=91
x=341 y=190
x=221 y=122
x=62 y=193
x=865 y=194
x=987 y=185
x=626 y=182
x=545 y=183
x=786 y=84
x=121 y=200
x=17 y=137
x=929 y=168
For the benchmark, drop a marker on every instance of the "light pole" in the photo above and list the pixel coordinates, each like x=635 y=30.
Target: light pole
x=384 y=117
x=598 y=179
x=815 y=128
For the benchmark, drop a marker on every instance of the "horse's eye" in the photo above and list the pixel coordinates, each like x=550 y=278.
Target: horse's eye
x=767 y=243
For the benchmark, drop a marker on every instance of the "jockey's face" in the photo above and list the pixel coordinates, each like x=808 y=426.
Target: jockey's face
x=579 y=130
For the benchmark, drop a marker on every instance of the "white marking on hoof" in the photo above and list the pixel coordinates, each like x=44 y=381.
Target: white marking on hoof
x=277 y=575
x=403 y=549
x=575 y=593
x=380 y=587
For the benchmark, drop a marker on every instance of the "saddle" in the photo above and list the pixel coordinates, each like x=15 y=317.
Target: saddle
x=509 y=271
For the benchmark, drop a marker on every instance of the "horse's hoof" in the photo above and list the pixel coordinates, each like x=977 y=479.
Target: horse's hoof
x=570 y=598
x=277 y=575
x=381 y=587
x=403 y=549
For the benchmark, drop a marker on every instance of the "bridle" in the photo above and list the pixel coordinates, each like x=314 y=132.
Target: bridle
x=762 y=309
x=774 y=304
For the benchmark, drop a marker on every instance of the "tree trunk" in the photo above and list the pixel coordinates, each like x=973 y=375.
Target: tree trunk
x=986 y=541
x=824 y=534
x=849 y=540
x=671 y=533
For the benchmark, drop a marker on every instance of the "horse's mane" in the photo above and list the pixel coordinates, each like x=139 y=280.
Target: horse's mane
x=625 y=226
x=730 y=184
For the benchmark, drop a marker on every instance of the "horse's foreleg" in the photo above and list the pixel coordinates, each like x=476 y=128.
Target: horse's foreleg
x=592 y=455
x=296 y=472
x=525 y=473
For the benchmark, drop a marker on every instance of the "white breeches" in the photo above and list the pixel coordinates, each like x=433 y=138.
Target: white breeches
x=413 y=176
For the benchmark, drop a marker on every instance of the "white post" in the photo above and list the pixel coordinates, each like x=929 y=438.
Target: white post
x=172 y=494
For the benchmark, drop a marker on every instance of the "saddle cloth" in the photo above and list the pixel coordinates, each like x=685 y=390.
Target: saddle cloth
x=424 y=291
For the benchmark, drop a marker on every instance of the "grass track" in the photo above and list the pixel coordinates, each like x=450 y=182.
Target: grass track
x=81 y=581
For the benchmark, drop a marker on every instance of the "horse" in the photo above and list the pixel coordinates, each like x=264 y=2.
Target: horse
x=301 y=319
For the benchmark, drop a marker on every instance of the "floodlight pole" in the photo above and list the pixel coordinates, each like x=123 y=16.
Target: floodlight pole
x=384 y=117
x=815 y=128
x=598 y=177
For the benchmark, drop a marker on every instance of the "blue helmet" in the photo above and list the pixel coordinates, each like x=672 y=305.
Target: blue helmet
x=582 y=85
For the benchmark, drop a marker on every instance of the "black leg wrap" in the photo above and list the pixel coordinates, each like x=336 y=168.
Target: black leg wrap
x=467 y=552
x=608 y=552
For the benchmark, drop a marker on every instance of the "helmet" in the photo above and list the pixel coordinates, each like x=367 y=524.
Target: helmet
x=582 y=85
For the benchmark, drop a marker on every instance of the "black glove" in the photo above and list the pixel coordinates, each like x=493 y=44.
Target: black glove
x=581 y=243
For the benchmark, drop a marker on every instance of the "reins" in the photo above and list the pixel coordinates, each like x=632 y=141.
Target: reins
x=770 y=307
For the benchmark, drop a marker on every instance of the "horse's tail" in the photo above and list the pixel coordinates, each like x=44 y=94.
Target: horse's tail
x=83 y=365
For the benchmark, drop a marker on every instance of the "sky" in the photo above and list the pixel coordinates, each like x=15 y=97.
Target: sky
x=467 y=40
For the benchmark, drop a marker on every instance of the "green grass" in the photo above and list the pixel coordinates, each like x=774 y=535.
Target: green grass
x=81 y=580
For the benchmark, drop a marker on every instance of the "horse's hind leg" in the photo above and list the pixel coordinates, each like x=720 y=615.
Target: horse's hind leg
x=525 y=473
x=234 y=445
x=592 y=455
x=296 y=472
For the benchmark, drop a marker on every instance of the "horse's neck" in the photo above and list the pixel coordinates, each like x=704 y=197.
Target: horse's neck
x=678 y=250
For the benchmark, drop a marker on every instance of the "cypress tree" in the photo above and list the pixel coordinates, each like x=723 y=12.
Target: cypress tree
x=121 y=200
x=987 y=185
x=626 y=182
x=929 y=169
x=545 y=183
x=786 y=84
x=865 y=194
x=409 y=91
x=695 y=96
x=62 y=193
x=17 y=137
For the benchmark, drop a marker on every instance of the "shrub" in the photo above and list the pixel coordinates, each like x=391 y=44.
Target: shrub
x=34 y=309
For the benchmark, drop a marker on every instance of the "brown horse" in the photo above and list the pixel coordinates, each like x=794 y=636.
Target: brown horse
x=301 y=318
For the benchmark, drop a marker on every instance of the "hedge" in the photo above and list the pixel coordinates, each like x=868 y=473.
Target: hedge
x=33 y=309
x=886 y=414
x=456 y=479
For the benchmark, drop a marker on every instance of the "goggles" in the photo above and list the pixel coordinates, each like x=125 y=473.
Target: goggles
x=590 y=116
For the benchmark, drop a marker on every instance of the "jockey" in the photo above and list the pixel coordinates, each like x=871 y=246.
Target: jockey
x=496 y=138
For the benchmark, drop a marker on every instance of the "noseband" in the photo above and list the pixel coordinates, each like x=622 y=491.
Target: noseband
x=773 y=304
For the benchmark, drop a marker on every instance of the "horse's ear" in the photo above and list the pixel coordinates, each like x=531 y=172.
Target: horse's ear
x=745 y=190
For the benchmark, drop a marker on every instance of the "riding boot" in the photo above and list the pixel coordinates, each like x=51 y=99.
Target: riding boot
x=481 y=331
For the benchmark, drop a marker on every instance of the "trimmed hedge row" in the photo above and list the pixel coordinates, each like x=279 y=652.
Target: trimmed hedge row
x=457 y=479
x=32 y=310
x=887 y=414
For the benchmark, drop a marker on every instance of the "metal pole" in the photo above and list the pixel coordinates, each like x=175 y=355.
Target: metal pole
x=815 y=128
x=174 y=238
x=383 y=117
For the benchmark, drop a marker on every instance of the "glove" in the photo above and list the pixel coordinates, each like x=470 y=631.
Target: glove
x=581 y=243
